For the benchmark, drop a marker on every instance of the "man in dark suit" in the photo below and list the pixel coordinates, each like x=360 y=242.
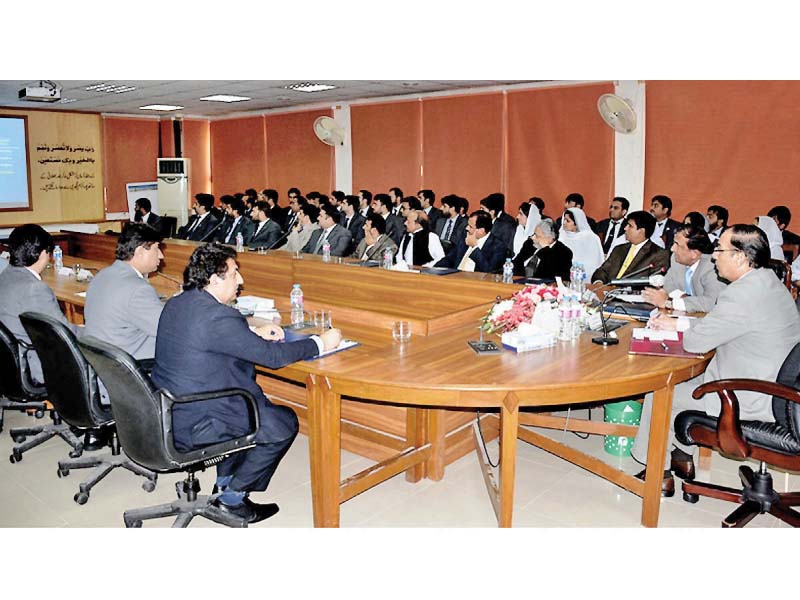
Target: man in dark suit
x=353 y=221
x=395 y=228
x=480 y=251
x=266 y=231
x=782 y=217
x=205 y=345
x=238 y=224
x=503 y=225
x=364 y=203
x=610 y=230
x=277 y=213
x=542 y=256
x=575 y=200
x=661 y=209
x=451 y=227
x=717 y=221
x=337 y=236
x=203 y=221
x=639 y=252
x=142 y=214
x=426 y=200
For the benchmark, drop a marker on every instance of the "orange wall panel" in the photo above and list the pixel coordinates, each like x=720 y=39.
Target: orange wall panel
x=131 y=149
x=197 y=148
x=238 y=155
x=462 y=141
x=733 y=143
x=386 y=146
x=295 y=157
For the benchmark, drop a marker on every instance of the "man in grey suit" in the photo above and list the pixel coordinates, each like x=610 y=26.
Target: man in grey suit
x=122 y=308
x=304 y=228
x=691 y=284
x=752 y=328
x=330 y=231
x=22 y=288
x=267 y=231
x=375 y=241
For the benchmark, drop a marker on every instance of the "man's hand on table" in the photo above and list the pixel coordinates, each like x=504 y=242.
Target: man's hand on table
x=331 y=338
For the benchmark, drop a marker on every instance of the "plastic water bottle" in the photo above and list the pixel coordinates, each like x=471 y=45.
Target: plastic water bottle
x=577 y=317
x=564 y=319
x=388 y=259
x=326 y=252
x=508 y=271
x=58 y=257
x=581 y=279
x=296 y=298
x=573 y=275
x=239 y=242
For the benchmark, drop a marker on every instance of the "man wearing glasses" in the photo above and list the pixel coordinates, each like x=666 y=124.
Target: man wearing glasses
x=542 y=256
x=753 y=327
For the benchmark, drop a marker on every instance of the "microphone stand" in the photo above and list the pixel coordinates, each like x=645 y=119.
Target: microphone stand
x=483 y=347
x=216 y=227
x=605 y=339
x=275 y=243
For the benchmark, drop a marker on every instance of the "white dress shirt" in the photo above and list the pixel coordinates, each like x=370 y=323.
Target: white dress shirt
x=678 y=303
x=467 y=264
x=434 y=249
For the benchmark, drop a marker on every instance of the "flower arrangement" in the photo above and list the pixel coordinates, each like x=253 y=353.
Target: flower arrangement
x=507 y=315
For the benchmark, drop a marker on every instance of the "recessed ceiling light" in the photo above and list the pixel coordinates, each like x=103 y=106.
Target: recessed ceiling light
x=109 y=88
x=309 y=87
x=164 y=107
x=67 y=100
x=225 y=98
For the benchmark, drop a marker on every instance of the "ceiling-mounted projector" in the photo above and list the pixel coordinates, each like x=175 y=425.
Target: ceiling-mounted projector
x=41 y=93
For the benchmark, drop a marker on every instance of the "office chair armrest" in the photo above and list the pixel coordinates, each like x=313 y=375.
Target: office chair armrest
x=147 y=364
x=729 y=430
x=33 y=389
x=209 y=452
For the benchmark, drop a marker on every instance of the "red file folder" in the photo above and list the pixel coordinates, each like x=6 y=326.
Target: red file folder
x=674 y=348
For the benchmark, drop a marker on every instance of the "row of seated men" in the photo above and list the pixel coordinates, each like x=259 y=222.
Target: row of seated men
x=179 y=339
x=752 y=323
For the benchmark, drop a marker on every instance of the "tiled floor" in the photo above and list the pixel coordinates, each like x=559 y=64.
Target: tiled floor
x=549 y=492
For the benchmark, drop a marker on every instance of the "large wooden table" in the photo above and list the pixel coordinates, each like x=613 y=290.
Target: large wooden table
x=436 y=376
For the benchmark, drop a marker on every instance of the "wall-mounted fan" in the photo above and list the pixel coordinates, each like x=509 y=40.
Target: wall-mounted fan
x=617 y=113
x=329 y=131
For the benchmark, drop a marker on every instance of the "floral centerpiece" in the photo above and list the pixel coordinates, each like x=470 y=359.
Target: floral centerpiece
x=508 y=315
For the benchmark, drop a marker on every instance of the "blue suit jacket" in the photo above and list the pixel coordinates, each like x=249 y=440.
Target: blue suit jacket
x=488 y=259
x=203 y=346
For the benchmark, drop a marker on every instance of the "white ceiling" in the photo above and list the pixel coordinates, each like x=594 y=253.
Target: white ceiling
x=265 y=94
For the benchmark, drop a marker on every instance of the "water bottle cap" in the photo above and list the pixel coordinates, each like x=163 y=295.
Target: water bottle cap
x=296 y=285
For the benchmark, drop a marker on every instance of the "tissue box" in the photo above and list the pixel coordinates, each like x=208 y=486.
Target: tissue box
x=526 y=341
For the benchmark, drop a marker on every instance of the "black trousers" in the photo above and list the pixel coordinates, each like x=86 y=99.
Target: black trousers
x=252 y=469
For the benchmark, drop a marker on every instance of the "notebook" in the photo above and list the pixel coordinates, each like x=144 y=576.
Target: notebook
x=659 y=345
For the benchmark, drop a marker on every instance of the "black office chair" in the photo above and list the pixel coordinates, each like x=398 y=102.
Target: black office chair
x=74 y=392
x=144 y=424
x=17 y=391
x=776 y=444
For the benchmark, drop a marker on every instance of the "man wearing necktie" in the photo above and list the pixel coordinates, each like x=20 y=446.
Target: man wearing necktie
x=610 y=230
x=638 y=253
x=352 y=220
x=331 y=231
x=691 y=284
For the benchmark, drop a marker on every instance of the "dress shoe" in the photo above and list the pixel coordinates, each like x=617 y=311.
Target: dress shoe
x=95 y=439
x=248 y=510
x=682 y=465
x=667 y=484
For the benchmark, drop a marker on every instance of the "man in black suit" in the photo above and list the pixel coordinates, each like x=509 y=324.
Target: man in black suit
x=503 y=225
x=480 y=251
x=267 y=232
x=395 y=227
x=426 y=200
x=202 y=222
x=277 y=213
x=610 y=229
x=451 y=227
x=639 y=252
x=353 y=221
x=782 y=217
x=396 y=196
x=575 y=200
x=142 y=214
x=205 y=345
x=364 y=202
x=717 y=221
x=238 y=223
x=661 y=209
x=542 y=256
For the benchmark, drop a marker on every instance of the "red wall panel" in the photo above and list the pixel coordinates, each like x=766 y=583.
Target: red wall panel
x=238 y=155
x=130 y=149
x=197 y=148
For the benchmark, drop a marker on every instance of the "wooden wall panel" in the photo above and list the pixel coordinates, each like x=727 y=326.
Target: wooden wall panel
x=131 y=153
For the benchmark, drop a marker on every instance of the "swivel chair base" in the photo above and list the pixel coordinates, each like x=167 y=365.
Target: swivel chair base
x=8 y=404
x=105 y=463
x=42 y=433
x=757 y=496
x=186 y=507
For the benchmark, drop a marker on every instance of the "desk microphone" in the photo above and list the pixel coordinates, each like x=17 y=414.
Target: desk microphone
x=275 y=243
x=605 y=339
x=630 y=280
x=216 y=227
x=480 y=346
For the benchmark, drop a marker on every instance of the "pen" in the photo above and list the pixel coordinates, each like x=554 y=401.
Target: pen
x=665 y=347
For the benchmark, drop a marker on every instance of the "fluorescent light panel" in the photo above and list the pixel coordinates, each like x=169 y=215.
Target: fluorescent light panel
x=110 y=88
x=164 y=107
x=310 y=87
x=225 y=98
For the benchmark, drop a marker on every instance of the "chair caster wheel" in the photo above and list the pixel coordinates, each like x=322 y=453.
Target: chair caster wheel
x=81 y=497
x=133 y=524
x=690 y=498
x=63 y=473
x=75 y=453
x=18 y=439
x=38 y=414
x=15 y=457
x=149 y=486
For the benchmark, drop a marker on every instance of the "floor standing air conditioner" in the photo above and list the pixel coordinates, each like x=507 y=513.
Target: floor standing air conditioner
x=173 y=188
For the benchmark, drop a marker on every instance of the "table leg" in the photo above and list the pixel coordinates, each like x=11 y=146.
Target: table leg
x=434 y=469
x=324 y=440
x=416 y=435
x=509 y=424
x=656 y=450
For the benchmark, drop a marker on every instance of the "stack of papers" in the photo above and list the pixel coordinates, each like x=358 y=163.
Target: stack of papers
x=655 y=335
x=262 y=308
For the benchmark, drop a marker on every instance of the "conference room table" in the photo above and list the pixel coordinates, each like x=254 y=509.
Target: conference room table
x=437 y=370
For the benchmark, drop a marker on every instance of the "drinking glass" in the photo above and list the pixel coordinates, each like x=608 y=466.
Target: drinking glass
x=401 y=331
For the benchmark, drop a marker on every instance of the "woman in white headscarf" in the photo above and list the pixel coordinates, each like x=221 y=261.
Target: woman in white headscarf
x=576 y=234
x=528 y=218
x=774 y=236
